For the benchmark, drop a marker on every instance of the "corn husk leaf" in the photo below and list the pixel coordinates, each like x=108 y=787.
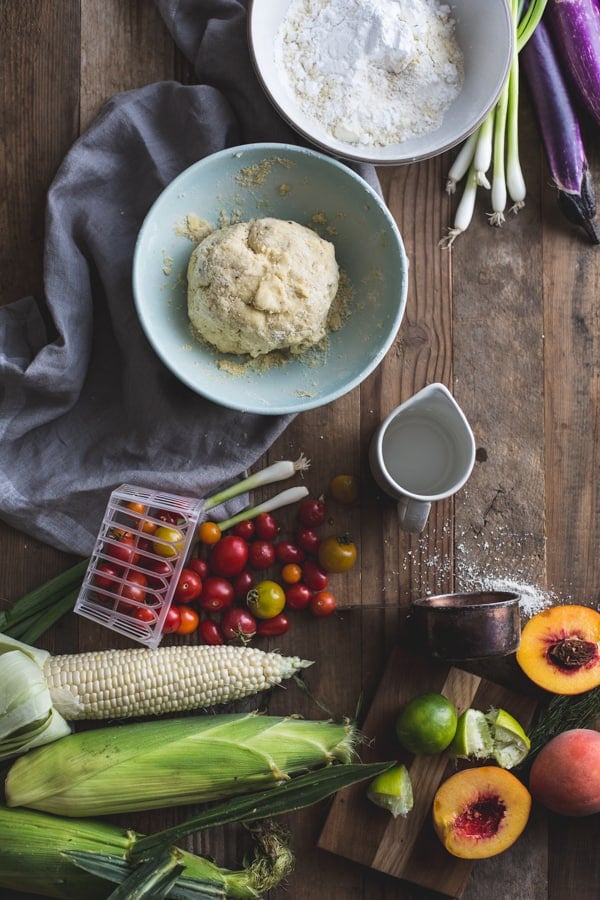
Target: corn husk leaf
x=149 y=765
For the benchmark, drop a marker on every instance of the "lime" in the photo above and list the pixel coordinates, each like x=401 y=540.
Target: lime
x=473 y=738
x=393 y=791
x=511 y=744
x=427 y=724
x=495 y=734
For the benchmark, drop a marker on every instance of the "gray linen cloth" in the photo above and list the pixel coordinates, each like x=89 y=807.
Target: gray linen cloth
x=85 y=404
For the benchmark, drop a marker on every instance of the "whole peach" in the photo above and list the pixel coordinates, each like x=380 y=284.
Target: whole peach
x=565 y=776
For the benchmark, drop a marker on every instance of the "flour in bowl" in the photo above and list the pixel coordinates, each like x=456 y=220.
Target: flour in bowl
x=371 y=72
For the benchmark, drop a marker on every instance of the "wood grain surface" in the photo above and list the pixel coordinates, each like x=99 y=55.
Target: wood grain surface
x=508 y=319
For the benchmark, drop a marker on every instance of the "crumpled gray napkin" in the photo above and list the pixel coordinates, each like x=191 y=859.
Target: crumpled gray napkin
x=85 y=404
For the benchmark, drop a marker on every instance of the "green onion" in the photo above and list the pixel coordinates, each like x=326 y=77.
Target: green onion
x=279 y=471
x=291 y=495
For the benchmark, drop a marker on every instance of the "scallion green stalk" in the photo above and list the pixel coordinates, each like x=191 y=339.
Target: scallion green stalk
x=279 y=471
x=291 y=495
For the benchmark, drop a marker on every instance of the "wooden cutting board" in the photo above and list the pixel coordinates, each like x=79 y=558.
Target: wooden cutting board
x=408 y=848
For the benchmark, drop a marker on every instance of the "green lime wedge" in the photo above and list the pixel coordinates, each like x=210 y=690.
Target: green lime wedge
x=511 y=744
x=473 y=738
x=393 y=791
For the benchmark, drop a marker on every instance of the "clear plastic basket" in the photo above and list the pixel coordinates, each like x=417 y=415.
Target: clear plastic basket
x=114 y=600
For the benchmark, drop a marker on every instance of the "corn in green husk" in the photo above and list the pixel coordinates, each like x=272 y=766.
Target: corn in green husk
x=44 y=854
x=172 y=762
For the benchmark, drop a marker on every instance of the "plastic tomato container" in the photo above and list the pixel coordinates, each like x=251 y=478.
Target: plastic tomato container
x=143 y=543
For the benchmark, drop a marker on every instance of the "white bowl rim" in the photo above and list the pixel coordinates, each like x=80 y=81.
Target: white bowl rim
x=286 y=408
x=343 y=150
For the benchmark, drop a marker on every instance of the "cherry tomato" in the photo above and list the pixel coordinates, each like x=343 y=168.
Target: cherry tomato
x=266 y=599
x=167 y=541
x=311 y=512
x=217 y=593
x=273 y=627
x=238 y=625
x=172 y=620
x=242 y=584
x=209 y=533
x=106 y=575
x=168 y=516
x=210 y=633
x=314 y=576
x=261 y=555
x=134 y=587
x=322 y=603
x=244 y=529
x=144 y=614
x=288 y=552
x=308 y=539
x=189 y=620
x=200 y=566
x=345 y=489
x=298 y=596
x=337 y=553
x=188 y=588
x=123 y=549
x=158 y=574
x=291 y=573
x=143 y=524
x=266 y=526
x=229 y=556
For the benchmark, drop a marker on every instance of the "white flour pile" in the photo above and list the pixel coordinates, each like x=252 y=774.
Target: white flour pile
x=371 y=72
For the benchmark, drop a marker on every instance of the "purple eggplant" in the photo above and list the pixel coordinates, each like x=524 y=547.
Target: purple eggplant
x=574 y=26
x=561 y=132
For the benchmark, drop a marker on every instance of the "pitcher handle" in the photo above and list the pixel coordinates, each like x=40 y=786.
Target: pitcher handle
x=412 y=514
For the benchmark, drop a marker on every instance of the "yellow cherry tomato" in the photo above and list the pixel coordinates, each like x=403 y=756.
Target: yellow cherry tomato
x=337 y=553
x=266 y=599
x=167 y=541
x=345 y=489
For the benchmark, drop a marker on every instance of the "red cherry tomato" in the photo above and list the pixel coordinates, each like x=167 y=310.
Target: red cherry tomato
x=210 y=633
x=242 y=583
x=238 y=625
x=229 y=556
x=159 y=573
x=311 y=512
x=167 y=516
x=266 y=527
x=244 y=529
x=189 y=620
x=135 y=587
x=122 y=547
x=273 y=627
x=298 y=596
x=314 y=576
x=199 y=566
x=217 y=594
x=261 y=555
x=308 y=539
x=322 y=603
x=288 y=552
x=106 y=575
x=188 y=588
x=172 y=620
x=144 y=614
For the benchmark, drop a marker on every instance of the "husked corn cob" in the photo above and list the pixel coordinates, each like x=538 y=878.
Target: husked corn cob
x=116 y=684
x=147 y=765
x=35 y=858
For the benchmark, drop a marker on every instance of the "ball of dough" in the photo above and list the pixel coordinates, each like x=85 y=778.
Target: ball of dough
x=260 y=286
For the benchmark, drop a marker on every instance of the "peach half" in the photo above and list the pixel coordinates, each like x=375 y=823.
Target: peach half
x=560 y=649
x=565 y=775
x=480 y=812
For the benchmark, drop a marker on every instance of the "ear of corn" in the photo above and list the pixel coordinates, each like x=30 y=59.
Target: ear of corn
x=155 y=764
x=57 y=857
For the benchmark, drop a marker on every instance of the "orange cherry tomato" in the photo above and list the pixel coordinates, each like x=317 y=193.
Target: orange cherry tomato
x=209 y=533
x=143 y=523
x=189 y=620
x=291 y=573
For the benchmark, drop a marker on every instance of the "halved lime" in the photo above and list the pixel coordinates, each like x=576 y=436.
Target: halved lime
x=393 y=791
x=511 y=744
x=473 y=738
x=495 y=734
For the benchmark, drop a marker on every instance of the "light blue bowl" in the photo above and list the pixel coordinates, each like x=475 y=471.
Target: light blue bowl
x=289 y=183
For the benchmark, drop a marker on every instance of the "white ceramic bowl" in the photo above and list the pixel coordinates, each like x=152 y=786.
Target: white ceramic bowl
x=484 y=33
x=291 y=183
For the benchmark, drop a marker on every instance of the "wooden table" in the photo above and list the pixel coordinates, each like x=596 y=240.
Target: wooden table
x=508 y=319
